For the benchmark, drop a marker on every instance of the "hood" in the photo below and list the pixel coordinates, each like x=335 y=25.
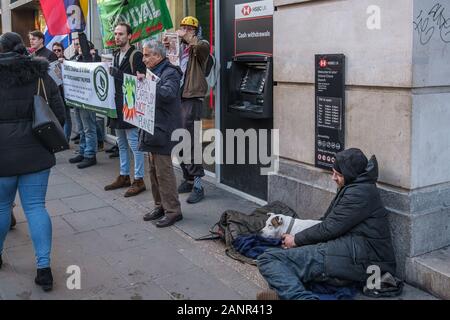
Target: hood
x=370 y=174
x=16 y=69
x=354 y=166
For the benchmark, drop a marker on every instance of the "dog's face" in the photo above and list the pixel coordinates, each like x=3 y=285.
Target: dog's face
x=274 y=227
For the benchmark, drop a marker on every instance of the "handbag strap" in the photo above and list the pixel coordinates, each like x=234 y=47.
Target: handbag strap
x=41 y=81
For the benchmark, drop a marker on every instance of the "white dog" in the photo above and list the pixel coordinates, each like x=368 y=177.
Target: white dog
x=278 y=224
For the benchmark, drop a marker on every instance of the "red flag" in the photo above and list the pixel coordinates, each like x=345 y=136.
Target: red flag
x=55 y=16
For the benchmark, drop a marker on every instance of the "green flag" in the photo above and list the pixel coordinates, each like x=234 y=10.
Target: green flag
x=146 y=18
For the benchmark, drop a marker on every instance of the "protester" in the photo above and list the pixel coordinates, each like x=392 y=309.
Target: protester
x=58 y=49
x=77 y=56
x=127 y=60
x=167 y=119
x=86 y=121
x=27 y=166
x=353 y=235
x=194 y=54
x=37 y=44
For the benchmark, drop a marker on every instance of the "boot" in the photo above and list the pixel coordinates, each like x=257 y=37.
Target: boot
x=121 y=182
x=137 y=187
x=77 y=159
x=114 y=154
x=13 y=221
x=186 y=187
x=112 y=149
x=196 y=195
x=44 y=278
x=87 y=162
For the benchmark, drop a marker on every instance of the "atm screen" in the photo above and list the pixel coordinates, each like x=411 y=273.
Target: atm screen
x=253 y=81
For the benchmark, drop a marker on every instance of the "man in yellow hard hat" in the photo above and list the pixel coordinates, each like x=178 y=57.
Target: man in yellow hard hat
x=193 y=57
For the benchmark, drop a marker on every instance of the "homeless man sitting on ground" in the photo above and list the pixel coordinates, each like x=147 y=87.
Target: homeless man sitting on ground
x=353 y=235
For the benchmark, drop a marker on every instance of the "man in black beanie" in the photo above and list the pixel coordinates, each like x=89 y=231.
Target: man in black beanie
x=353 y=235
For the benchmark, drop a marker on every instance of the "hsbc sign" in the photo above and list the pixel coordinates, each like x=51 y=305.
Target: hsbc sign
x=254 y=9
x=323 y=63
x=246 y=10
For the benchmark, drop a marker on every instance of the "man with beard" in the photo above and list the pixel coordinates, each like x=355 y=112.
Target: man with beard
x=127 y=60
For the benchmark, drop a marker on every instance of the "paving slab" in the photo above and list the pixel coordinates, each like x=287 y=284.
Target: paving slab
x=122 y=257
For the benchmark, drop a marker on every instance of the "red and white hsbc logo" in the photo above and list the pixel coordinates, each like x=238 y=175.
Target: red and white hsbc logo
x=246 y=10
x=254 y=9
x=323 y=63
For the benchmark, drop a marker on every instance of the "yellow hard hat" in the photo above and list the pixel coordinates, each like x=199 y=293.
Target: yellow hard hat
x=190 y=21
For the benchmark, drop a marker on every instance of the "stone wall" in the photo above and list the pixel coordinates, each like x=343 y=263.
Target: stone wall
x=397 y=107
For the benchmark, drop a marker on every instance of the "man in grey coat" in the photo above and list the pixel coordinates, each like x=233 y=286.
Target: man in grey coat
x=353 y=235
x=167 y=118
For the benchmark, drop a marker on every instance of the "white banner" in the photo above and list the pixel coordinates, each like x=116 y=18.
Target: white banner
x=89 y=86
x=139 y=102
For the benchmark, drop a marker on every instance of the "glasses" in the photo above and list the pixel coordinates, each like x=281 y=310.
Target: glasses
x=57 y=50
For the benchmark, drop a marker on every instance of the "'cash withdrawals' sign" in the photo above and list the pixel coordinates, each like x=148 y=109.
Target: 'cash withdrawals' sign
x=254 y=28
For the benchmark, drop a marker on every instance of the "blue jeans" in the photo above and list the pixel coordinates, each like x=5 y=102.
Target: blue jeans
x=100 y=133
x=32 y=190
x=88 y=134
x=286 y=271
x=78 y=120
x=125 y=138
x=68 y=124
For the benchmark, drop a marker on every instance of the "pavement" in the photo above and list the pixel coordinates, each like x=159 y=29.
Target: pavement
x=122 y=257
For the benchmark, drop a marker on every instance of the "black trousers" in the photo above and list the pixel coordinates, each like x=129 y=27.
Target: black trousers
x=191 y=111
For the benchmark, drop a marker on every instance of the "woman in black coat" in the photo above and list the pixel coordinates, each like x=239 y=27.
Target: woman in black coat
x=24 y=163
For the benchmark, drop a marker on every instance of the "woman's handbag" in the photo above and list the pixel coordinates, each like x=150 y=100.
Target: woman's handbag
x=46 y=126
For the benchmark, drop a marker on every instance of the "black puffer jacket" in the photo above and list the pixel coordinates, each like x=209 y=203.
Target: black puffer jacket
x=355 y=229
x=20 y=152
x=167 y=110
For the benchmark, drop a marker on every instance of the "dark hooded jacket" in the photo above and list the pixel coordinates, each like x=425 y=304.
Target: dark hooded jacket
x=167 y=111
x=20 y=152
x=355 y=228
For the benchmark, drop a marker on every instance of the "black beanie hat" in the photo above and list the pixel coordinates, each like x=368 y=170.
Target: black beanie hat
x=350 y=163
x=12 y=42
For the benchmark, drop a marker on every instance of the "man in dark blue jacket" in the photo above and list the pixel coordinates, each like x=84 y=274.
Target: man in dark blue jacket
x=167 y=118
x=353 y=235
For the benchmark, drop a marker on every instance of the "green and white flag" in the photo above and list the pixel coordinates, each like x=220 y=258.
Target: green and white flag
x=146 y=18
x=89 y=86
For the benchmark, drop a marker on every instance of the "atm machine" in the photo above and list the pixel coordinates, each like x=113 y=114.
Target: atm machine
x=246 y=86
x=251 y=87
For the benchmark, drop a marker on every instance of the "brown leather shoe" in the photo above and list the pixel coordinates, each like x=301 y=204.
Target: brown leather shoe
x=167 y=221
x=267 y=295
x=137 y=187
x=121 y=182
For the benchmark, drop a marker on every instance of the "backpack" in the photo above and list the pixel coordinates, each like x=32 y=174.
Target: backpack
x=132 y=60
x=233 y=224
x=212 y=69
